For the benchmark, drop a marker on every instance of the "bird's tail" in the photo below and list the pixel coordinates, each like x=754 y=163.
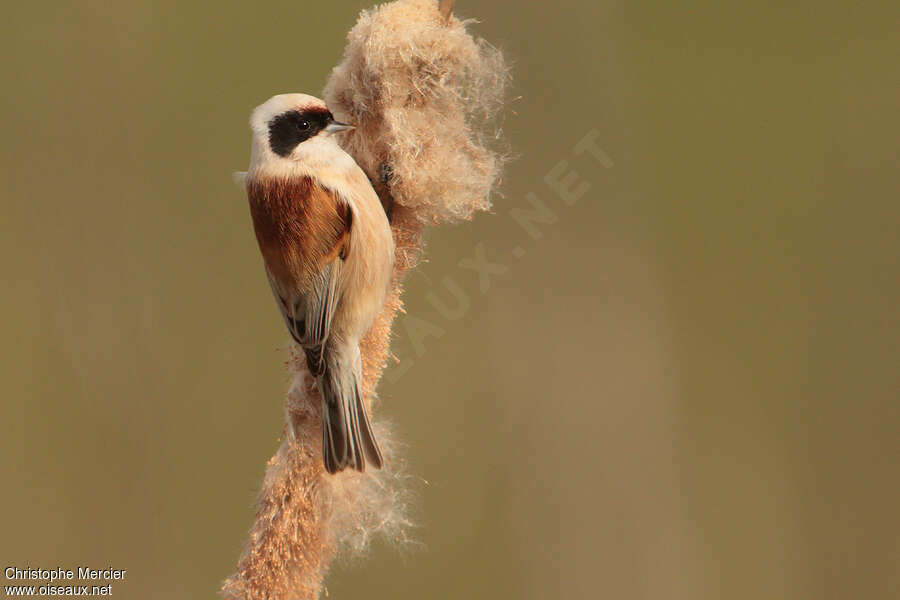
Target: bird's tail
x=347 y=436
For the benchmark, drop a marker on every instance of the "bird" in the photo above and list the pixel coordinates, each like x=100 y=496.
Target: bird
x=328 y=252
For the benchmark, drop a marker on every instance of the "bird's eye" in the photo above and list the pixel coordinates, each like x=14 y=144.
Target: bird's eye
x=303 y=125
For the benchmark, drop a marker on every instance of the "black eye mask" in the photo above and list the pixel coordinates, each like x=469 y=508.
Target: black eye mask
x=288 y=130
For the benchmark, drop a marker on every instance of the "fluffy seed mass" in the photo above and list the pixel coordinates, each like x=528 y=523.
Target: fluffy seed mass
x=426 y=94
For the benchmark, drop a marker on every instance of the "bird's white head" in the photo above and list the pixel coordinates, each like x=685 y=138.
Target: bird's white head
x=293 y=134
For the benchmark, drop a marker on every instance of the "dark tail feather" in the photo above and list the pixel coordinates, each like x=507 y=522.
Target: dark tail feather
x=369 y=445
x=347 y=437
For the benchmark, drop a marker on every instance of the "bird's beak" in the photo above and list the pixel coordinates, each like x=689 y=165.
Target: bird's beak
x=336 y=126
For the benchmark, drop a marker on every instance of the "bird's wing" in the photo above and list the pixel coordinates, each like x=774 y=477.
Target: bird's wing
x=308 y=316
x=303 y=230
x=308 y=311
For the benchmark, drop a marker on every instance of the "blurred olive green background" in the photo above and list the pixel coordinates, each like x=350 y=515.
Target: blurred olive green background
x=686 y=387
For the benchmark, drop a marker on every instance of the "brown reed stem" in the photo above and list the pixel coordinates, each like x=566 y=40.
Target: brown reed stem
x=415 y=83
x=290 y=542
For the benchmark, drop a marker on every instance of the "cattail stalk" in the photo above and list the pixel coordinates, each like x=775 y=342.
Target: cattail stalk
x=421 y=90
